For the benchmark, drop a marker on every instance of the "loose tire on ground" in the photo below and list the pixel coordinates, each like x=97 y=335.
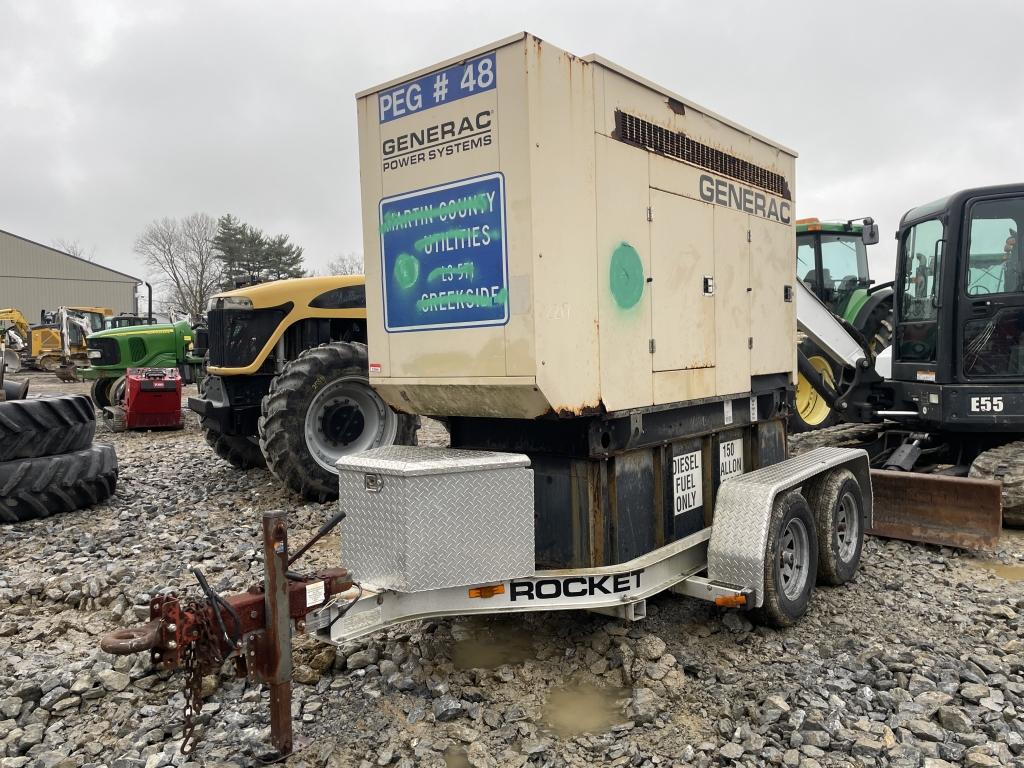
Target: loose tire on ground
x=791 y=562
x=48 y=485
x=837 y=502
x=238 y=451
x=319 y=408
x=45 y=426
x=100 y=392
x=1005 y=464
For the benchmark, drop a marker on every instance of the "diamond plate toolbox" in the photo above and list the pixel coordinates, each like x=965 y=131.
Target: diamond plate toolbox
x=424 y=518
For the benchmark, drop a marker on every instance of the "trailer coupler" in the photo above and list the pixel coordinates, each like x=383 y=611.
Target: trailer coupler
x=254 y=628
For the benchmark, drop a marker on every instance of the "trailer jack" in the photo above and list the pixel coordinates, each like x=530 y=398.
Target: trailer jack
x=254 y=628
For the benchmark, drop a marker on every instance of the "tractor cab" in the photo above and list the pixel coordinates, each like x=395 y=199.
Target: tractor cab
x=959 y=352
x=831 y=259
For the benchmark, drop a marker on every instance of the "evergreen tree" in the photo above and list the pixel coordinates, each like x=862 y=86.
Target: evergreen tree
x=249 y=256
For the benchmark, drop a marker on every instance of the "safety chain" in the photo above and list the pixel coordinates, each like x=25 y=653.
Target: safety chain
x=200 y=656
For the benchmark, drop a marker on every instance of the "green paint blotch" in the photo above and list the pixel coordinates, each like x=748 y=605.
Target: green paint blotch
x=407 y=270
x=626 y=276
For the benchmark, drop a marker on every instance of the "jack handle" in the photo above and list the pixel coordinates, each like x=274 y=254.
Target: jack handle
x=324 y=530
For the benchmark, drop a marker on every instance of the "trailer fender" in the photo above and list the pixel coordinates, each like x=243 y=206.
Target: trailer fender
x=739 y=533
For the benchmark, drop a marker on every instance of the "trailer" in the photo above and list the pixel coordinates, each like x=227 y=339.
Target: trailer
x=590 y=280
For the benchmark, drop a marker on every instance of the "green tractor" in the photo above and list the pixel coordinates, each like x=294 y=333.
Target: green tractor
x=832 y=260
x=163 y=345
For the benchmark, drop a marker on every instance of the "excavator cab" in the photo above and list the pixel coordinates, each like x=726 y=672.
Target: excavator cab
x=958 y=357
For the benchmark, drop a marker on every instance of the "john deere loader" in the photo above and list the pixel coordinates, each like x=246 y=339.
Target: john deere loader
x=287 y=382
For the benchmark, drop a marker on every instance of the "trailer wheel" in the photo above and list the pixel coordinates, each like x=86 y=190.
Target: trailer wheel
x=45 y=426
x=791 y=560
x=100 y=392
x=320 y=408
x=237 y=450
x=40 y=487
x=838 y=505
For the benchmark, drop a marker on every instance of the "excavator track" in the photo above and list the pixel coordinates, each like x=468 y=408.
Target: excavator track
x=1005 y=464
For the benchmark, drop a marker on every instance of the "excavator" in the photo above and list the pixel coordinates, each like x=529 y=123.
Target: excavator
x=940 y=411
x=42 y=346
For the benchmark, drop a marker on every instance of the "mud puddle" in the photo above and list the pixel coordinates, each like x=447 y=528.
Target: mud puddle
x=1007 y=571
x=574 y=709
x=483 y=644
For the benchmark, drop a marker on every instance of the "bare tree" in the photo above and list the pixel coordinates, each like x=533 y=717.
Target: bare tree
x=74 y=248
x=180 y=252
x=346 y=264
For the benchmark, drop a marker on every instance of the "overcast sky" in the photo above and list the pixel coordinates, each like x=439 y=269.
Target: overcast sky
x=113 y=114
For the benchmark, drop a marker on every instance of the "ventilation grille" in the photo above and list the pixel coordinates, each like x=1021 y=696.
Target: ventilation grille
x=137 y=349
x=654 y=138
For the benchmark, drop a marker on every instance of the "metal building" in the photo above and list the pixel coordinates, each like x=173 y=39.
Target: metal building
x=34 y=277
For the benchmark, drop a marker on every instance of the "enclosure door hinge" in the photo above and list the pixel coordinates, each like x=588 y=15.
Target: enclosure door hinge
x=749 y=240
x=750 y=342
x=650 y=346
x=650 y=213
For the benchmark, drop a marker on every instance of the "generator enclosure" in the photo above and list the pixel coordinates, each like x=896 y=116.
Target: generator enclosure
x=424 y=518
x=548 y=234
x=152 y=398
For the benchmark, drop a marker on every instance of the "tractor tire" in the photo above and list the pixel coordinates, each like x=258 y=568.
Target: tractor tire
x=36 y=488
x=48 y=363
x=837 y=503
x=238 y=451
x=878 y=328
x=810 y=411
x=100 y=392
x=45 y=426
x=1005 y=464
x=117 y=390
x=790 y=563
x=319 y=408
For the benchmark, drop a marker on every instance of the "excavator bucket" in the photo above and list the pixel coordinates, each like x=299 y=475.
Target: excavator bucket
x=67 y=372
x=937 y=509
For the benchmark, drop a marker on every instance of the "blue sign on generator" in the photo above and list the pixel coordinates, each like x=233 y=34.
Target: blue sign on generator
x=444 y=257
x=475 y=76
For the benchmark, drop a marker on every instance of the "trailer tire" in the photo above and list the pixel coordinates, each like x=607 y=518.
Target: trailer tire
x=45 y=426
x=100 y=392
x=791 y=561
x=837 y=502
x=239 y=451
x=36 y=488
x=308 y=415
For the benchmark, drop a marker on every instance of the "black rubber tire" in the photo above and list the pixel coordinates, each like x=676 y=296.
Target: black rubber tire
x=284 y=411
x=35 y=488
x=237 y=450
x=1005 y=463
x=100 y=392
x=878 y=327
x=118 y=390
x=779 y=610
x=45 y=426
x=824 y=497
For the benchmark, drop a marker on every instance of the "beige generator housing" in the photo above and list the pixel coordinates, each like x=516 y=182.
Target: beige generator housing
x=550 y=234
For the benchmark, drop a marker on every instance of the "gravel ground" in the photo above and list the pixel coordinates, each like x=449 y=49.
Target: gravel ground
x=919 y=661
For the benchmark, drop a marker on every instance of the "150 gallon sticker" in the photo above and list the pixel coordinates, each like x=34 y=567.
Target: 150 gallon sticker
x=444 y=256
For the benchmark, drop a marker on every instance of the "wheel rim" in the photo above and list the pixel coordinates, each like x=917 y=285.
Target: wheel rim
x=346 y=416
x=794 y=553
x=847 y=526
x=810 y=404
